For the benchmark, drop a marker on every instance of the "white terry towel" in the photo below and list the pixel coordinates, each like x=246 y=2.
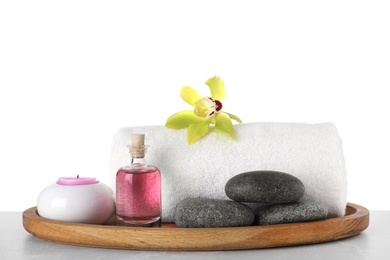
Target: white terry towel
x=311 y=152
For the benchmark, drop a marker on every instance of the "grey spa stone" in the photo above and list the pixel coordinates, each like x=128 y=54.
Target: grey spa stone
x=200 y=212
x=271 y=187
x=290 y=213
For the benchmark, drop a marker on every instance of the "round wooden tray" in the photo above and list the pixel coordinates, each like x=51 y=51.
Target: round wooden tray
x=169 y=237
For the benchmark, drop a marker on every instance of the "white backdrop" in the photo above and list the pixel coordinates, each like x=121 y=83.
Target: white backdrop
x=73 y=72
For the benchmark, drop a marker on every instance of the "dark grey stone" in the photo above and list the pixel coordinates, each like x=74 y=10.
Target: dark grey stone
x=199 y=212
x=271 y=187
x=290 y=213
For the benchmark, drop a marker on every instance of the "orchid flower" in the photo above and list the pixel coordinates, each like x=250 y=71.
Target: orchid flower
x=207 y=114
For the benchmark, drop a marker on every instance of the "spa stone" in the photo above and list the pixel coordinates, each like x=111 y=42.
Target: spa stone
x=200 y=212
x=290 y=213
x=265 y=187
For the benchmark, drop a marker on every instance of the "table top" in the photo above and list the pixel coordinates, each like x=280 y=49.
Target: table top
x=373 y=243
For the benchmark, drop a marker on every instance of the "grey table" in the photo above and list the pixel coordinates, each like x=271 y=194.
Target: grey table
x=373 y=243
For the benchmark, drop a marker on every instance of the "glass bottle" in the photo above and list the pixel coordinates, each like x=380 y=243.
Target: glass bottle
x=138 y=189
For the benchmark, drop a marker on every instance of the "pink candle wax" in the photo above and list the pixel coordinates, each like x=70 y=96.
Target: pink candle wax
x=72 y=181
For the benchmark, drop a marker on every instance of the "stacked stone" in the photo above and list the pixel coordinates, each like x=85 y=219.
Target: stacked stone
x=275 y=198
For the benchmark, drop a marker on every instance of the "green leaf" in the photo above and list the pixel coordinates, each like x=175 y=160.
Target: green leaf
x=224 y=124
x=234 y=117
x=217 y=88
x=183 y=119
x=196 y=132
x=189 y=95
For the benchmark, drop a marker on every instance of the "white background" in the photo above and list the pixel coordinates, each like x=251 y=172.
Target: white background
x=73 y=72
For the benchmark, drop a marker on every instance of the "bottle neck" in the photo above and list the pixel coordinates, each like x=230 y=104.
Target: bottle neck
x=138 y=161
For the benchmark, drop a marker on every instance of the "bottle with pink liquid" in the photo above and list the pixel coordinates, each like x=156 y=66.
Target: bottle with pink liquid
x=138 y=189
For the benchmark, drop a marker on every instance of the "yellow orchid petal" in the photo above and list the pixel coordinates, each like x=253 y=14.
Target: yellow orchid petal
x=217 y=88
x=196 y=132
x=183 y=119
x=234 y=117
x=223 y=124
x=189 y=95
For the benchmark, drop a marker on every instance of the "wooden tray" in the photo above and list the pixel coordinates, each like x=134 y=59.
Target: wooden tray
x=169 y=237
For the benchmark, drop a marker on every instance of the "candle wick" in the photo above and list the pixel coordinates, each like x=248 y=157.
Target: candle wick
x=77 y=176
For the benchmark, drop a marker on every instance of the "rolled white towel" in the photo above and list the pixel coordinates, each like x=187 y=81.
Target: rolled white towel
x=311 y=152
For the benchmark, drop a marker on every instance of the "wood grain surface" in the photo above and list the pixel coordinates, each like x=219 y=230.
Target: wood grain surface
x=171 y=238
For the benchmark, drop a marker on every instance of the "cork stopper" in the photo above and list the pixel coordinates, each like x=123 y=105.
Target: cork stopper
x=137 y=148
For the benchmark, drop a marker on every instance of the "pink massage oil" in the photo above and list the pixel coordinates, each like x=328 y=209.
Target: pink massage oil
x=138 y=189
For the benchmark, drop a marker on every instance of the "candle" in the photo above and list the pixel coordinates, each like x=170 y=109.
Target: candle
x=76 y=199
x=72 y=181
